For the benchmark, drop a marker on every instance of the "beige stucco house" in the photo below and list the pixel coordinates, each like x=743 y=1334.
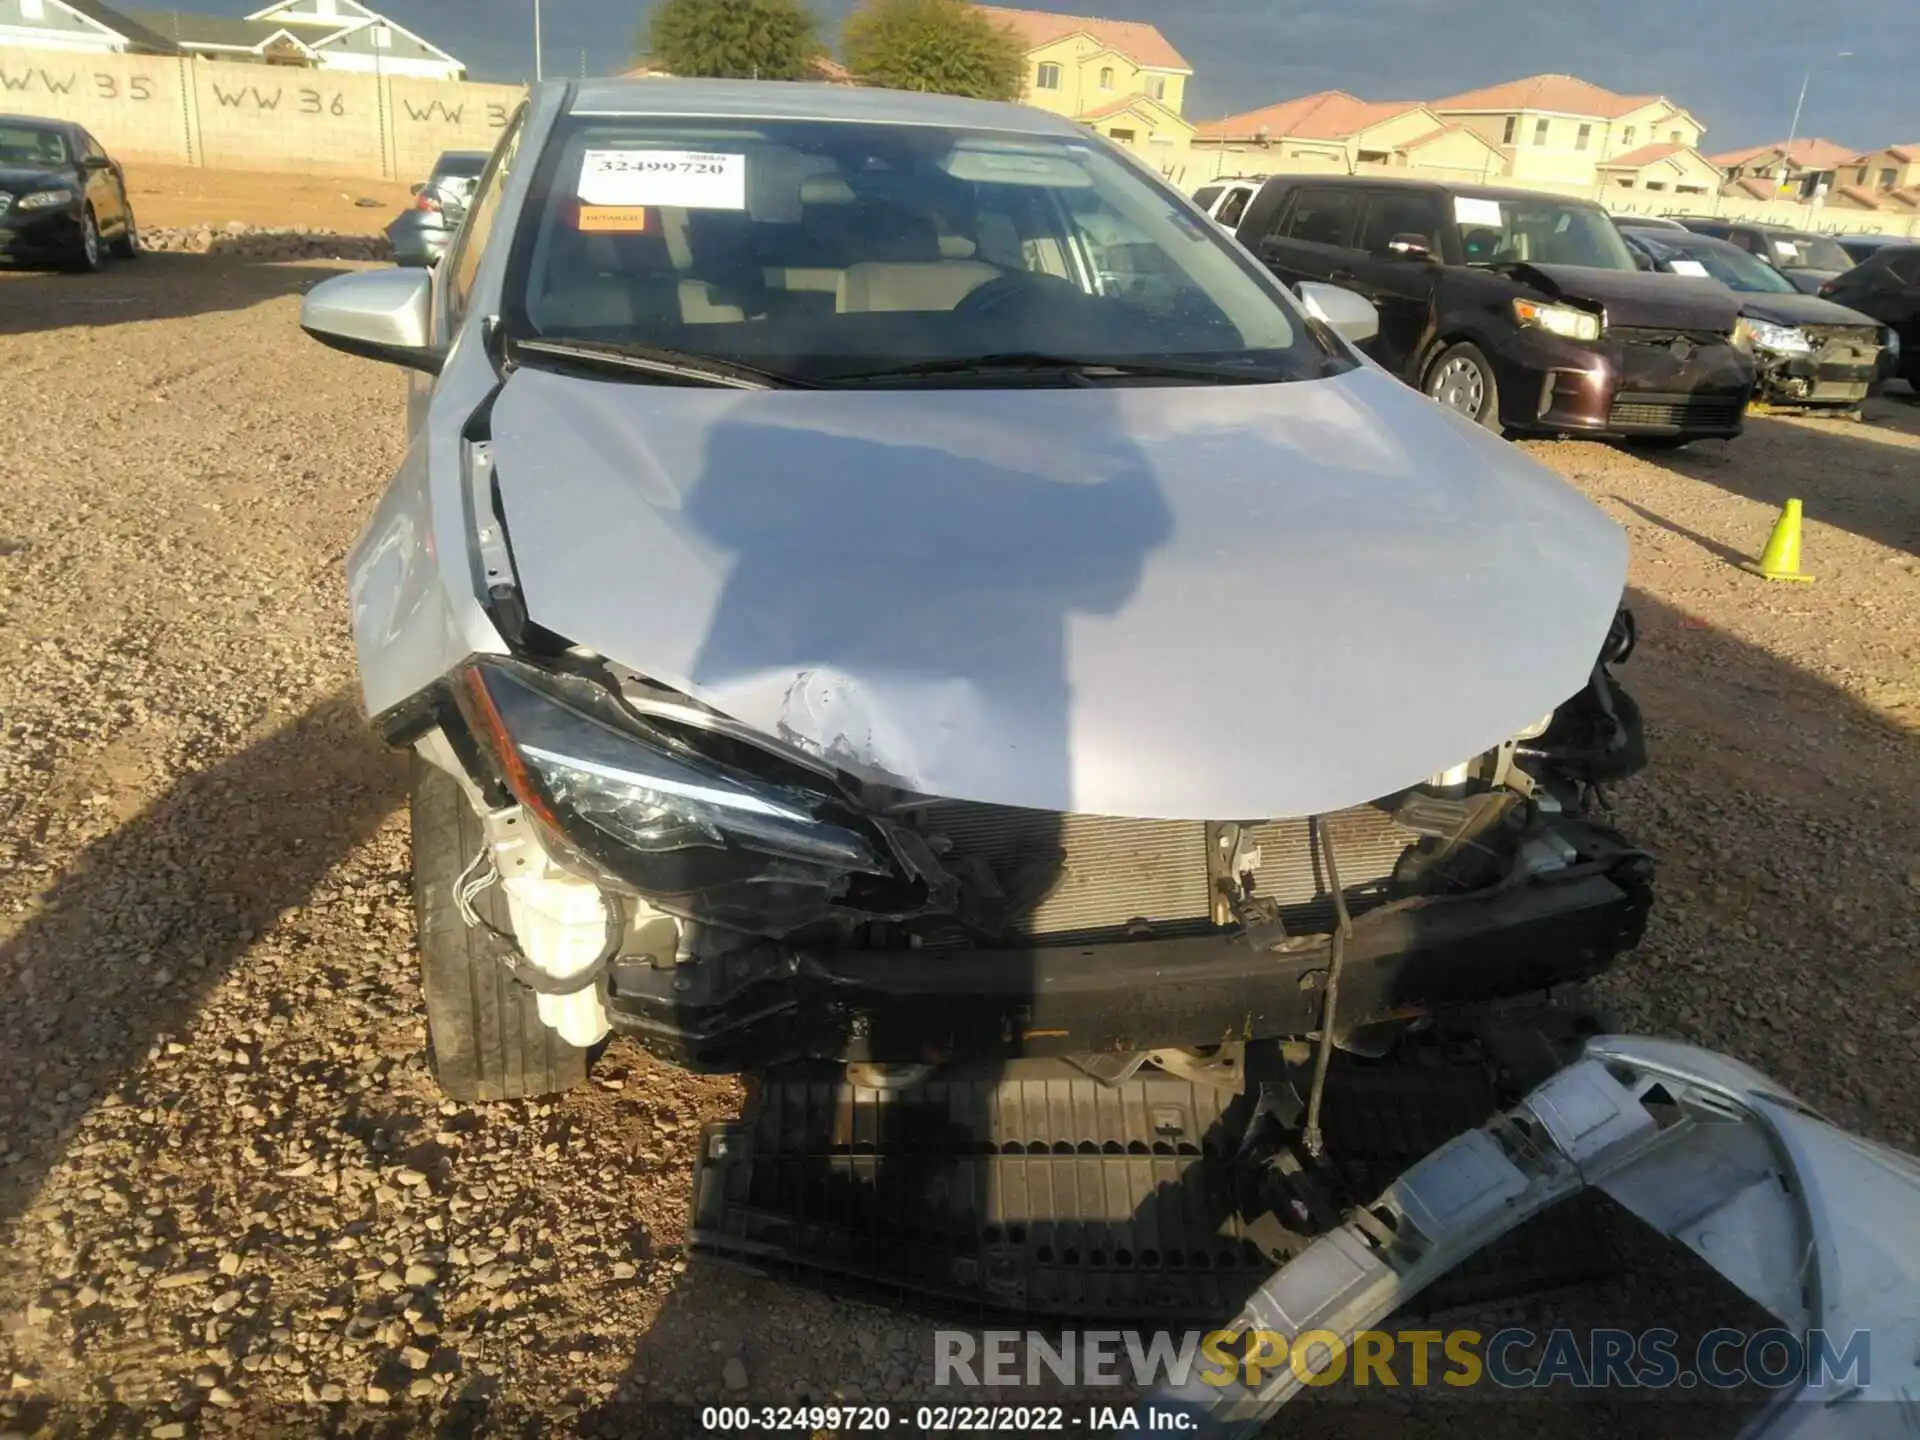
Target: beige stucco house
x=1804 y=169
x=1561 y=130
x=1897 y=167
x=1120 y=77
x=1664 y=168
x=1337 y=132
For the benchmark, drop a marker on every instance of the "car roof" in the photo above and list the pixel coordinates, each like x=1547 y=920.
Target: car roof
x=804 y=100
x=38 y=122
x=1678 y=239
x=1440 y=187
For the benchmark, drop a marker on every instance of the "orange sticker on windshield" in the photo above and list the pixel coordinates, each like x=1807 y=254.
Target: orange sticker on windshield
x=613 y=219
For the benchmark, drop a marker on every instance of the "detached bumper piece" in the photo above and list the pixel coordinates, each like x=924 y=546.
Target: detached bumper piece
x=770 y=1005
x=1037 y=1190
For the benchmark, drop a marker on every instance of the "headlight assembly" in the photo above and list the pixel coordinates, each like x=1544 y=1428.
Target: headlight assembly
x=647 y=813
x=1780 y=339
x=1563 y=320
x=43 y=200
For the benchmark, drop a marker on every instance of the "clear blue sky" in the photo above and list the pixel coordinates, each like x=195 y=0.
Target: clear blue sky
x=1736 y=64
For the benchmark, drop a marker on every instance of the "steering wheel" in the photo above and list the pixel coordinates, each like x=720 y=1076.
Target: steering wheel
x=1013 y=288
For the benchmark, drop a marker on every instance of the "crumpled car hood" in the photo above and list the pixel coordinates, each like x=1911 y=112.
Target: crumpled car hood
x=1222 y=602
x=1639 y=299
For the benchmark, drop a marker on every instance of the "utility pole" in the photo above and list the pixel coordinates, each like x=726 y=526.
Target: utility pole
x=539 y=64
x=1793 y=131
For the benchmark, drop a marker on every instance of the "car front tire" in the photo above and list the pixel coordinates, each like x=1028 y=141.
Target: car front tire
x=484 y=1033
x=1461 y=380
x=91 y=255
x=127 y=246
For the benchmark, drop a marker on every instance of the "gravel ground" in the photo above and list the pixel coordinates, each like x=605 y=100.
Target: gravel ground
x=231 y=1197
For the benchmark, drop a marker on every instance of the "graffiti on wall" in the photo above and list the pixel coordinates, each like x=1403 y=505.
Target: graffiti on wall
x=106 y=86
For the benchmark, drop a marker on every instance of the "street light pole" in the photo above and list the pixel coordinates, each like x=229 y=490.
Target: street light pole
x=539 y=66
x=1793 y=131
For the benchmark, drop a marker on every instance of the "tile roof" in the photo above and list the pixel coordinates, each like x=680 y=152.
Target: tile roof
x=1139 y=42
x=1644 y=156
x=1427 y=137
x=186 y=28
x=1751 y=186
x=123 y=25
x=1327 y=115
x=1567 y=94
x=1906 y=152
x=1809 y=153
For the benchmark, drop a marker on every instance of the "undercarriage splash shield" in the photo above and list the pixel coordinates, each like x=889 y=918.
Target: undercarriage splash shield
x=1034 y=1189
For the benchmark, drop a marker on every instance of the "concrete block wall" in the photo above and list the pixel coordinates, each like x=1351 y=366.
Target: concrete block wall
x=183 y=111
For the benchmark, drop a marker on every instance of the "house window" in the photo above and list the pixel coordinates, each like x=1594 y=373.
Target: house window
x=1156 y=87
x=1540 y=132
x=1626 y=134
x=1656 y=184
x=1887 y=178
x=1373 y=157
x=1106 y=77
x=1125 y=137
x=1582 y=136
x=1673 y=137
x=1048 y=77
x=1626 y=182
x=1513 y=127
x=1691 y=189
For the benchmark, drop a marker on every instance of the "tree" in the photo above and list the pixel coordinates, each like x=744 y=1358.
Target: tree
x=735 y=39
x=944 y=46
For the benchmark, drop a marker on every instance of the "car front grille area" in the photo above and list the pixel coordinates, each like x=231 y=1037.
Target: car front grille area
x=1687 y=412
x=1065 y=878
x=1641 y=335
x=1844 y=344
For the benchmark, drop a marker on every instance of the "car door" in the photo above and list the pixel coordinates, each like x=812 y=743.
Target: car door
x=1312 y=236
x=1398 y=277
x=101 y=179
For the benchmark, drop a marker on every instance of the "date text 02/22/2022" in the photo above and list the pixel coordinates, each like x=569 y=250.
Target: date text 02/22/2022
x=943 y=1419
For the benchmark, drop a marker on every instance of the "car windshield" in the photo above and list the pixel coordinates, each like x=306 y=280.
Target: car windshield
x=32 y=145
x=820 y=249
x=1538 y=230
x=1808 y=252
x=1729 y=264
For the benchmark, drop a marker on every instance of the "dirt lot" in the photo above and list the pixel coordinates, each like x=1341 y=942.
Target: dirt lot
x=229 y=1191
x=182 y=195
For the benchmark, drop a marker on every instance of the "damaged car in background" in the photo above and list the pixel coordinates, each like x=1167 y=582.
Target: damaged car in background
x=834 y=620
x=1807 y=351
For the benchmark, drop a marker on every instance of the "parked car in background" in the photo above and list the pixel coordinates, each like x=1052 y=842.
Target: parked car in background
x=795 y=522
x=1862 y=247
x=1226 y=200
x=63 y=199
x=1887 y=287
x=1807 y=259
x=424 y=229
x=1519 y=310
x=1808 y=351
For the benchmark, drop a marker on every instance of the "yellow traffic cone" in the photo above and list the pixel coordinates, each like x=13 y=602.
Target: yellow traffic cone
x=1781 y=559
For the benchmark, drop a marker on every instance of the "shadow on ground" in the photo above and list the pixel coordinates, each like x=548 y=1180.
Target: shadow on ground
x=128 y=943
x=160 y=285
x=1874 y=465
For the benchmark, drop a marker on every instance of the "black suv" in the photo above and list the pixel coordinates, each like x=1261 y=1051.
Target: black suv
x=1520 y=310
x=1887 y=287
x=1807 y=259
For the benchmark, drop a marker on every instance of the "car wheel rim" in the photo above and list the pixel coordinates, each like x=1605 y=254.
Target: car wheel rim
x=90 y=240
x=1458 y=386
x=133 y=235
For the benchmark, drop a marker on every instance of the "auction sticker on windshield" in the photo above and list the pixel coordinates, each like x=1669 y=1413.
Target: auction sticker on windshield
x=1688 y=267
x=1472 y=210
x=690 y=179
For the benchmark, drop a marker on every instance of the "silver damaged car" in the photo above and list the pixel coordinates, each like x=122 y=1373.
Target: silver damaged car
x=880 y=578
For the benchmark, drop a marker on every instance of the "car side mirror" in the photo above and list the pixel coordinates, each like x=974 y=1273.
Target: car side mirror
x=378 y=315
x=417 y=187
x=1410 y=247
x=1350 y=316
x=96 y=162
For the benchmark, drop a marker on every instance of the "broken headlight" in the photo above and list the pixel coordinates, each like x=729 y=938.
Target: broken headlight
x=647 y=812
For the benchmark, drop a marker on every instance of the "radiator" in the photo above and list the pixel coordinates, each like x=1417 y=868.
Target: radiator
x=1111 y=874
